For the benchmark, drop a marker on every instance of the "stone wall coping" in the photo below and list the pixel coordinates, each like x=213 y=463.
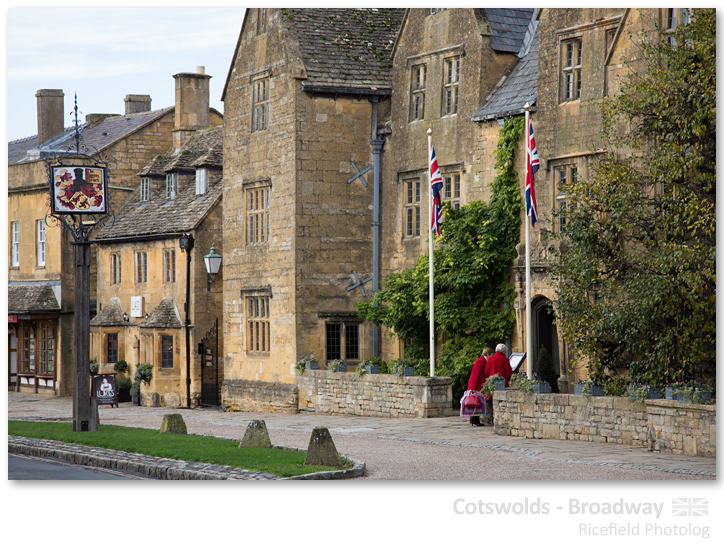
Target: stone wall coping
x=609 y=401
x=386 y=378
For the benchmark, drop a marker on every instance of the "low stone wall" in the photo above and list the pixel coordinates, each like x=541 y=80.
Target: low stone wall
x=259 y=396
x=325 y=392
x=658 y=425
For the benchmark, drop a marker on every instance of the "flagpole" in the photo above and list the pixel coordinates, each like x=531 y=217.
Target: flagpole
x=528 y=313
x=432 y=287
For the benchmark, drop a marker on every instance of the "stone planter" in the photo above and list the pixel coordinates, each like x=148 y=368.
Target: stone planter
x=372 y=369
x=654 y=393
x=312 y=365
x=341 y=369
x=593 y=390
x=406 y=371
x=541 y=387
x=672 y=395
x=700 y=397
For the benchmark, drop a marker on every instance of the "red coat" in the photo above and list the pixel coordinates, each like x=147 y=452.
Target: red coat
x=499 y=364
x=477 y=376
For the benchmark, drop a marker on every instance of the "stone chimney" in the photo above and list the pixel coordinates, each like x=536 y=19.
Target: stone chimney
x=51 y=116
x=137 y=103
x=192 y=105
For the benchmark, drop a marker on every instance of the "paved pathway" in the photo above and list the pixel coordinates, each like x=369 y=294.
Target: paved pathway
x=404 y=448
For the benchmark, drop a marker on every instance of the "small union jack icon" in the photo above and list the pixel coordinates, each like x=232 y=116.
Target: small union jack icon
x=690 y=506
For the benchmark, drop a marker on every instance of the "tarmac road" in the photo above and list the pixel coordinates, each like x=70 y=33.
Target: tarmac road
x=408 y=448
x=25 y=468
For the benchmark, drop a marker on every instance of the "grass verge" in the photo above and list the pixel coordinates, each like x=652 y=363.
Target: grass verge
x=192 y=448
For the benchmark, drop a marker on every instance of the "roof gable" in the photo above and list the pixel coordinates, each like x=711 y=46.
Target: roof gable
x=31 y=298
x=186 y=211
x=165 y=315
x=507 y=26
x=345 y=49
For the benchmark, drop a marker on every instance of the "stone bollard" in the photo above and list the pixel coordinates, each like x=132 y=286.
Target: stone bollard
x=321 y=450
x=256 y=435
x=173 y=423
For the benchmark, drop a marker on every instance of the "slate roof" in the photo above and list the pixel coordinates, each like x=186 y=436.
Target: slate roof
x=345 y=49
x=186 y=210
x=110 y=315
x=508 y=26
x=164 y=315
x=31 y=298
x=518 y=87
x=95 y=137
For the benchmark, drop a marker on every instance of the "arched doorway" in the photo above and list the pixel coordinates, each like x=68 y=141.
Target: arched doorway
x=545 y=332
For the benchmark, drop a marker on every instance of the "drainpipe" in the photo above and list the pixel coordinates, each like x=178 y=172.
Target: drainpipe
x=376 y=151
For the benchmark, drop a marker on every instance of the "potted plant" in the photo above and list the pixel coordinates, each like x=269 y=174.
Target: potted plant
x=144 y=374
x=540 y=385
x=367 y=368
x=310 y=363
x=642 y=391
x=695 y=392
x=337 y=365
x=121 y=367
x=673 y=390
x=123 y=386
x=520 y=381
x=588 y=388
x=401 y=367
x=496 y=382
x=93 y=366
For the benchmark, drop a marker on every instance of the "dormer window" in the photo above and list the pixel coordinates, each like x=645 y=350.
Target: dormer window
x=145 y=189
x=171 y=186
x=202 y=180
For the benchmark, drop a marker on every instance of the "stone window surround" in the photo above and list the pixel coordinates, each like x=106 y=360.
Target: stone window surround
x=256 y=306
x=247 y=188
x=261 y=20
x=412 y=191
x=344 y=320
x=145 y=189
x=141 y=266
x=15 y=243
x=260 y=106
x=169 y=265
x=115 y=267
x=418 y=78
x=435 y=58
x=450 y=84
x=167 y=353
x=562 y=174
x=40 y=242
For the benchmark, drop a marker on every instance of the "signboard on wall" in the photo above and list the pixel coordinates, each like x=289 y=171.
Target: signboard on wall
x=79 y=190
x=104 y=389
x=137 y=306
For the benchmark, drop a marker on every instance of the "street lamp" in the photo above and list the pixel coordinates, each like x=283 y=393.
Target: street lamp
x=213 y=263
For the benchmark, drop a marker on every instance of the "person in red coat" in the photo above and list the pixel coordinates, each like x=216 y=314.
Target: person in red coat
x=497 y=364
x=475 y=385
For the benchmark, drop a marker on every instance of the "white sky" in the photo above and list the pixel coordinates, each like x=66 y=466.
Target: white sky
x=102 y=54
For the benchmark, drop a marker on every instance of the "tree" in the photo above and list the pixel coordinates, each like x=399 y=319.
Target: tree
x=473 y=296
x=636 y=274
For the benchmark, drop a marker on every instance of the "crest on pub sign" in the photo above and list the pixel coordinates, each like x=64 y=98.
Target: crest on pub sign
x=79 y=190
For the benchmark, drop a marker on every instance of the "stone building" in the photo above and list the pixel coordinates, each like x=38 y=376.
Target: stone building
x=146 y=281
x=40 y=259
x=446 y=63
x=303 y=96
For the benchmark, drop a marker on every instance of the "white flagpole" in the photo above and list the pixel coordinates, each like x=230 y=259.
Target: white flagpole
x=432 y=287
x=528 y=313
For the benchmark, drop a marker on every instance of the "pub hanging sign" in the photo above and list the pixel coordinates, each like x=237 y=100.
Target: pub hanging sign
x=79 y=190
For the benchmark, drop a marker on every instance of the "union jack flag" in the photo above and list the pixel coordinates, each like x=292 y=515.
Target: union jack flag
x=690 y=506
x=532 y=166
x=435 y=187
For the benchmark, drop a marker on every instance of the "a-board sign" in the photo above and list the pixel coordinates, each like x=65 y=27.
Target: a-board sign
x=104 y=389
x=516 y=360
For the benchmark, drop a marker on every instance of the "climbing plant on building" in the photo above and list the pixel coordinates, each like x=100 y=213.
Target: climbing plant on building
x=473 y=295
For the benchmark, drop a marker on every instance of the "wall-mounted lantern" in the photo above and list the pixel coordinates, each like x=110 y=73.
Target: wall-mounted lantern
x=213 y=264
